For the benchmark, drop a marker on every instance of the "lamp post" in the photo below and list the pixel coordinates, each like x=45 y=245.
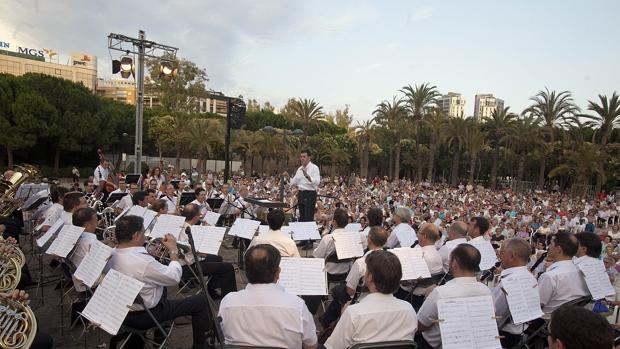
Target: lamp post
x=285 y=134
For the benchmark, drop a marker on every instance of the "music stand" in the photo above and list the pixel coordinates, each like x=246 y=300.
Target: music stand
x=187 y=198
x=132 y=178
x=215 y=203
x=37 y=203
x=115 y=197
x=175 y=183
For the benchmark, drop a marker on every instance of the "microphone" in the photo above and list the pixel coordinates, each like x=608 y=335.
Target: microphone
x=415 y=243
x=490 y=272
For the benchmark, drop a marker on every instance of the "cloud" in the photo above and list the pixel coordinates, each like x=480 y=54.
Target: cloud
x=421 y=13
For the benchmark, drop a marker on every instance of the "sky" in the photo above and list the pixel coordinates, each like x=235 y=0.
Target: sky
x=354 y=53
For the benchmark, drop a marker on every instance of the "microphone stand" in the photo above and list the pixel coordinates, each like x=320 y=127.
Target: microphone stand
x=210 y=303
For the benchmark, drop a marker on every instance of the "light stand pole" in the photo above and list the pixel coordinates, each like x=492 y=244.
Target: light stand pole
x=142 y=48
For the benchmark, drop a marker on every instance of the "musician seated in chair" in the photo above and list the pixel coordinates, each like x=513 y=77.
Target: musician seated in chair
x=41 y=339
x=264 y=314
x=87 y=218
x=379 y=317
x=71 y=202
x=327 y=246
x=201 y=201
x=52 y=214
x=131 y=258
x=275 y=237
x=222 y=273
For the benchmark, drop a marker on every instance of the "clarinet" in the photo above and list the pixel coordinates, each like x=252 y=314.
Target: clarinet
x=538 y=261
x=490 y=272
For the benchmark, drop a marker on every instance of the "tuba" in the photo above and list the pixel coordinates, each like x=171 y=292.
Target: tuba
x=8 y=189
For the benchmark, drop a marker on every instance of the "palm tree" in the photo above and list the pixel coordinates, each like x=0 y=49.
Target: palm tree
x=476 y=142
x=454 y=138
x=497 y=125
x=206 y=135
x=363 y=133
x=434 y=121
x=581 y=164
x=392 y=116
x=554 y=110
x=308 y=111
x=419 y=100
x=338 y=156
x=175 y=129
x=270 y=147
x=248 y=144
x=606 y=118
x=524 y=136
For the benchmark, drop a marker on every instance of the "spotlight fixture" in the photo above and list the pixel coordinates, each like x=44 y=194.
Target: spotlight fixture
x=167 y=70
x=125 y=66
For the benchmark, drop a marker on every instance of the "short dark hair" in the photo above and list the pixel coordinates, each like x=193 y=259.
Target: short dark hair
x=307 y=151
x=57 y=193
x=378 y=236
x=385 y=269
x=150 y=191
x=82 y=216
x=375 y=217
x=127 y=226
x=482 y=224
x=261 y=264
x=467 y=257
x=198 y=191
x=567 y=242
x=158 y=205
x=190 y=211
x=341 y=217
x=591 y=242
x=71 y=200
x=275 y=219
x=579 y=328
x=139 y=196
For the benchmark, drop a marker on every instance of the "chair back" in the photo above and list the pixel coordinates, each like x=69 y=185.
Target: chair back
x=386 y=345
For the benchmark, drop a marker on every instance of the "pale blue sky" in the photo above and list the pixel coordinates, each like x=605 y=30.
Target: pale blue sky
x=352 y=52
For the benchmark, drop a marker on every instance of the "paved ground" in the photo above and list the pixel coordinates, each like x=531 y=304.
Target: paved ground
x=55 y=321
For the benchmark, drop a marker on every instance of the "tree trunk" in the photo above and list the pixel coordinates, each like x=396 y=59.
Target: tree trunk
x=418 y=158
x=391 y=162
x=333 y=168
x=251 y=164
x=493 y=179
x=431 y=161
x=455 y=168
x=521 y=168
x=57 y=161
x=541 y=174
x=364 y=161
x=9 y=156
x=397 y=160
x=178 y=159
x=472 y=166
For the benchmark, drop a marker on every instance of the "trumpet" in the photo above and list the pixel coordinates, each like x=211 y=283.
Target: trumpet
x=157 y=249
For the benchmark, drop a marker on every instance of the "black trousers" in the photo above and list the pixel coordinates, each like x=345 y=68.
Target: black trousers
x=42 y=340
x=339 y=298
x=222 y=273
x=306 y=199
x=196 y=306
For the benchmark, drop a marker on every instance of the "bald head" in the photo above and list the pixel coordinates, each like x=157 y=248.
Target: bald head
x=377 y=237
x=515 y=252
x=457 y=230
x=428 y=234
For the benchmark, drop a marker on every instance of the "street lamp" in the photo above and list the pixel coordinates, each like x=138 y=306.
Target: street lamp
x=285 y=133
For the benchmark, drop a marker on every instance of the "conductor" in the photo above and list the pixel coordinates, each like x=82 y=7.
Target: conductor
x=306 y=179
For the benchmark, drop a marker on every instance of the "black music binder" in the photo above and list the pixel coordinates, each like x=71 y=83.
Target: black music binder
x=115 y=197
x=187 y=197
x=215 y=203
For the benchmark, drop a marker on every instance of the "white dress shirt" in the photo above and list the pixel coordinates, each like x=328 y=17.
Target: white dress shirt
x=67 y=217
x=402 y=228
x=327 y=247
x=358 y=270
x=137 y=263
x=478 y=238
x=561 y=283
x=435 y=266
x=203 y=207
x=501 y=304
x=445 y=250
x=302 y=182
x=282 y=242
x=376 y=318
x=125 y=202
x=100 y=174
x=171 y=203
x=455 y=288
x=266 y=315
x=81 y=249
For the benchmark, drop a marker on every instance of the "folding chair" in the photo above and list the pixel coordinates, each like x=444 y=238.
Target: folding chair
x=142 y=334
x=423 y=283
x=337 y=278
x=386 y=345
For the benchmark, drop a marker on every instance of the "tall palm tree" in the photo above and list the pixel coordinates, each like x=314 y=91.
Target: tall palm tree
x=363 y=132
x=392 y=116
x=248 y=144
x=176 y=130
x=524 y=136
x=497 y=125
x=554 y=110
x=308 y=111
x=454 y=138
x=419 y=100
x=271 y=147
x=606 y=117
x=581 y=163
x=434 y=121
x=206 y=135
x=338 y=156
x=476 y=142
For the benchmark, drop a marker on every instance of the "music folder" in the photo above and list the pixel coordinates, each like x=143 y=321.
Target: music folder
x=215 y=203
x=35 y=204
x=468 y=322
x=303 y=276
x=115 y=197
x=187 y=197
x=132 y=178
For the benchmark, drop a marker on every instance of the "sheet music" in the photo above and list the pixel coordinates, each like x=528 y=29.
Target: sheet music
x=303 y=276
x=596 y=278
x=244 y=228
x=65 y=241
x=522 y=296
x=211 y=217
x=167 y=224
x=467 y=323
x=451 y=244
x=406 y=237
x=487 y=253
x=208 y=239
x=27 y=189
x=93 y=263
x=348 y=244
x=353 y=227
x=149 y=216
x=412 y=261
x=109 y=305
x=50 y=232
x=305 y=231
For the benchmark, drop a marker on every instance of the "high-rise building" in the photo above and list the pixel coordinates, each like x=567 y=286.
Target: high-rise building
x=81 y=68
x=453 y=105
x=485 y=105
x=119 y=90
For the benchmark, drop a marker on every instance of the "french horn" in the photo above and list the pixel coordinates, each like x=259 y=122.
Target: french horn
x=14 y=251
x=10 y=273
x=18 y=323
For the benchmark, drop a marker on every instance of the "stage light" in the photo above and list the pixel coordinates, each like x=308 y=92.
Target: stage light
x=125 y=66
x=167 y=70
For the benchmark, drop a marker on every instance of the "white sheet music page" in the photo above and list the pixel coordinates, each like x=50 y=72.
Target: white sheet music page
x=348 y=244
x=244 y=228
x=406 y=237
x=596 y=278
x=487 y=253
x=93 y=263
x=412 y=262
x=211 y=217
x=467 y=323
x=65 y=241
x=149 y=216
x=208 y=239
x=303 y=276
x=50 y=232
x=167 y=224
x=522 y=296
x=451 y=244
x=109 y=305
x=353 y=227
x=136 y=210
x=305 y=231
